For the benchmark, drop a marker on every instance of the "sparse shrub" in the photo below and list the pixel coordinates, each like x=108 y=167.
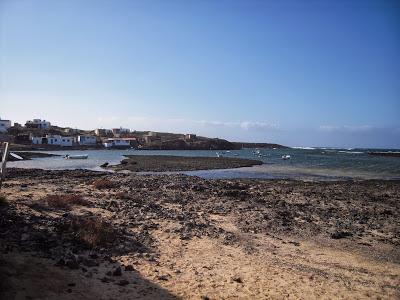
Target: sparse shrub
x=64 y=201
x=3 y=200
x=93 y=232
x=104 y=184
x=121 y=195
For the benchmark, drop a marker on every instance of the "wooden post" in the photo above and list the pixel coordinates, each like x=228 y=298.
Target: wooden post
x=4 y=163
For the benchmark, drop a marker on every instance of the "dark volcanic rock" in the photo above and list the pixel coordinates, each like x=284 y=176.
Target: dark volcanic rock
x=163 y=163
x=341 y=235
x=117 y=271
x=123 y=282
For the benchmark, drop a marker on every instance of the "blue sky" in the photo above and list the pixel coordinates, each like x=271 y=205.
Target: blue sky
x=300 y=73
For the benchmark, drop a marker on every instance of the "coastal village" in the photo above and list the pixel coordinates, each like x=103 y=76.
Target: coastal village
x=42 y=133
x=38 y=134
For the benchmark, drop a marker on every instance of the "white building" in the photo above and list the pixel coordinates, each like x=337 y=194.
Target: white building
x=57 y=140
x=38 y=123
x=117 y=143
x=37 y=140
x=67 y=141
x=53 y=139
x=87 y=140
x=4 y=125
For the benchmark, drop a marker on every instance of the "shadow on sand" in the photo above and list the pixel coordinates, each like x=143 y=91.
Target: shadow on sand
x=30 y=267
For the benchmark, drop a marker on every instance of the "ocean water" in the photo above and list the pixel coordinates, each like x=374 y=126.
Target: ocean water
x=305 y=163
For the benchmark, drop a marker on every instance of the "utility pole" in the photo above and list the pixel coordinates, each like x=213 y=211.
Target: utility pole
x=4 y=163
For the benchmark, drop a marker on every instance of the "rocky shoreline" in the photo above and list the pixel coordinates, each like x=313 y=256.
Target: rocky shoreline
x=163 y=163
x=95 y=235
x=385 y=154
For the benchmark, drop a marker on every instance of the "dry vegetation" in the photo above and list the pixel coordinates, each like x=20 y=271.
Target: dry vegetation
x=104 y=184
x=3 y=200
x=93 y=232
x=121 y=195
x=64 y=201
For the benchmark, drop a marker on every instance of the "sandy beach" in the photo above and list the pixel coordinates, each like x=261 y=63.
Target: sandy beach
x=92 y=235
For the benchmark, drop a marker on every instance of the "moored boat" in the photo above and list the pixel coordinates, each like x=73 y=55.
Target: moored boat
x=83 y=156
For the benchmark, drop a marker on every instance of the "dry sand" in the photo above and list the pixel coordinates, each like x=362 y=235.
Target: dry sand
x=190 y=238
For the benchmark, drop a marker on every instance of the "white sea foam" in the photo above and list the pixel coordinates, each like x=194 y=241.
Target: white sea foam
x=351 y=152
x=304 y=148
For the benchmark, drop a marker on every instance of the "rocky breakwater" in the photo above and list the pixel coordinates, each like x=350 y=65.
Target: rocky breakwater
x=163 y=163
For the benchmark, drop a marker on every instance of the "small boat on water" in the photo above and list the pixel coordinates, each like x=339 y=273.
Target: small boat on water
x=16 y=156
x=218 y=154
x=286 y=156
x=83 y=156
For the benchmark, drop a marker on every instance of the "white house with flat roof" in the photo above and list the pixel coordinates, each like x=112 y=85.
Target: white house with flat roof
x=67 y=141
x=87 y=140
x=117 y=143
x=4 y=125
x=56 y=140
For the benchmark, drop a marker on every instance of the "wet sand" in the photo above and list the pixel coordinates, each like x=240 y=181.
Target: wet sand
x=163 y=163
x=176 y=236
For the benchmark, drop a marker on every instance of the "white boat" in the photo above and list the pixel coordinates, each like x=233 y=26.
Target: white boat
x=286 y=156
x=16 y=156
x=83 y=156
x=218 y=154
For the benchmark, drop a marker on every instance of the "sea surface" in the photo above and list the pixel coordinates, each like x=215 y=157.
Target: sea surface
x=305 y=163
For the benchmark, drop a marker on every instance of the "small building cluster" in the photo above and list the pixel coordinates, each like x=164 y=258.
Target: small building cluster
x=41 y=132
x=64 y=141
x=56 y=140
x=38 y=123
x=120 y=131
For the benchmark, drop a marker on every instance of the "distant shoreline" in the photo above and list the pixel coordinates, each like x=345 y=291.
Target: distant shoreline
x=168 y=145
x=386 y=154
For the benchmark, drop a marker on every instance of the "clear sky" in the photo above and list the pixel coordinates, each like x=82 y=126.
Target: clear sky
x=300 y=73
